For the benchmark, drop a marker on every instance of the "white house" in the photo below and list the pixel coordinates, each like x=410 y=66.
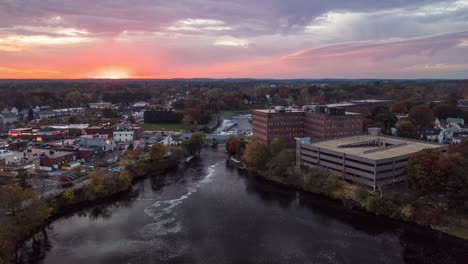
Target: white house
x=141 y=104
x=8 y=118
x=124 y=135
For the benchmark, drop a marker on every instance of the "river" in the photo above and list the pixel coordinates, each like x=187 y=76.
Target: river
x=212 y=214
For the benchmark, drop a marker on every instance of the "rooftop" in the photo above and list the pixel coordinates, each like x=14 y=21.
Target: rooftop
x=273 y=111
x=361 y=145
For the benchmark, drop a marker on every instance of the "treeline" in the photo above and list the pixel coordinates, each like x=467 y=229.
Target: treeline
x=221 y=94
x=415 y=116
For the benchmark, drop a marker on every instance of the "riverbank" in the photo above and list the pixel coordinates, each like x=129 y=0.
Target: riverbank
x=100 y=186
x=394 y=205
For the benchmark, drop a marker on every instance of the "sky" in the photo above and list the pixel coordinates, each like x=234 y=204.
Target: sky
x=233 y=39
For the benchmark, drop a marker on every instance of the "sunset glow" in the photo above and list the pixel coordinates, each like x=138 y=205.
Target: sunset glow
x=310 y=39
x=113 y=74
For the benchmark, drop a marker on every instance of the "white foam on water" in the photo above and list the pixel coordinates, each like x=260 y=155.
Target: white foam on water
x=162 y=211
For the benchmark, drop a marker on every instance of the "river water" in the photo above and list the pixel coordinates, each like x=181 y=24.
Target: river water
x=212 y=214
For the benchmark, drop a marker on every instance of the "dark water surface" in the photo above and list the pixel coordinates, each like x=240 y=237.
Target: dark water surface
x=212 y=214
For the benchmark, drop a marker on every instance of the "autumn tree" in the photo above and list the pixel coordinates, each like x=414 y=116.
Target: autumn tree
x=233 y=146
x=24 y=206
x=431 y=171
x=399 y=108
x=256 y=154
x=422 y=116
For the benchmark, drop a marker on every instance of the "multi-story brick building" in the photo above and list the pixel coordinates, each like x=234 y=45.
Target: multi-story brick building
x=325 y=122
x=316 y=122
x=282 y=123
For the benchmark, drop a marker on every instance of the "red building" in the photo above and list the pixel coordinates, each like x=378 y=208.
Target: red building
x=316 y=122
x=278 y=123
x=326 y=125
x=97 y=130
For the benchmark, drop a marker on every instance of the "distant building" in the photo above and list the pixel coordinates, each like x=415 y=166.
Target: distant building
x=124 y=135
x=50 y=159
x=317 y=122
x=101 y=141
x=8 y=118
x=453 y=121
x=11 y=157
x=141 y=104
x=463 y=105
x=102 y=105
x=109 y=131
x=367 y=160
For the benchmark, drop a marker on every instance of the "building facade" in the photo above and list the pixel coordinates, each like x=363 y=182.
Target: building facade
x=316 y=122
x=368 y=160
x=269 y=124
x=124 y=135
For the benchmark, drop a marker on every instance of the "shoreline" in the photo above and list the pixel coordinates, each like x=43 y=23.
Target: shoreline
x=356 y=205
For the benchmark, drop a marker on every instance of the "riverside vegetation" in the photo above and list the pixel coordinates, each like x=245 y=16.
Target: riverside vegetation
x=436 y=196
x=24 y=212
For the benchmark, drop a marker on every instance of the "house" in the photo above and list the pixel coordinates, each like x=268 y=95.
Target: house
x=11 y=157
x=46 y=114
x=453 y=121
x=141 y=104
x=459 y=137
x=124 y=135
x=103 y=142
x=102 y=105
x=432 y=134
x=463 y=105
x=8 y=118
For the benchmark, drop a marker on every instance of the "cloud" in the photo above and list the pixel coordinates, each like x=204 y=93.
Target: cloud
x=387 y=49
x=230 y=41
x=263 y=38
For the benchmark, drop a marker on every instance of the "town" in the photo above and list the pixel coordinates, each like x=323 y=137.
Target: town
x=361 y=151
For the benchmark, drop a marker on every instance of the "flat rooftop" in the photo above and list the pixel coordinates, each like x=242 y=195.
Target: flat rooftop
x=356 y=145
x=273 y=111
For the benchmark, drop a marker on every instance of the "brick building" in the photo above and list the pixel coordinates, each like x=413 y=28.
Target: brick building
x=316 y=122
x=326 y=122
x=278 y=123
x=97 y=130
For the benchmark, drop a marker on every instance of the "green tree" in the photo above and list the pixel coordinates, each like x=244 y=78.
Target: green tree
x=68 y=196
x=275 y=146
x=256 y=154
x=406 y=129
x=23 y=178
x=73 y=99
x=194 y=144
